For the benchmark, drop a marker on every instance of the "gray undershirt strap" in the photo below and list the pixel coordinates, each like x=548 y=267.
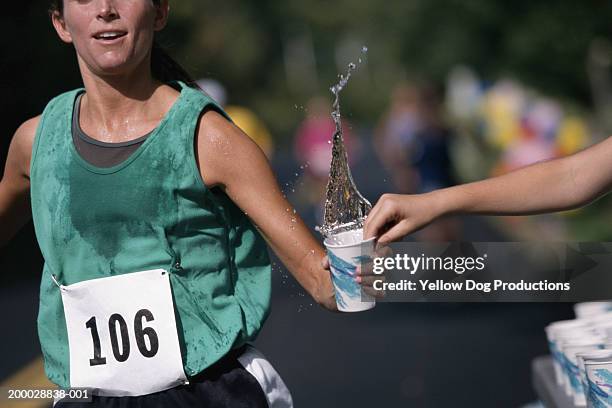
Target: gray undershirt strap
x=97 y=153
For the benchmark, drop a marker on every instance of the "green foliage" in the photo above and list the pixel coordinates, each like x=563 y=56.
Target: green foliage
x=248 y=45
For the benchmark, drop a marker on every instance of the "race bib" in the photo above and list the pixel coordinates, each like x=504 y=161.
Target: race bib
x=122 y=334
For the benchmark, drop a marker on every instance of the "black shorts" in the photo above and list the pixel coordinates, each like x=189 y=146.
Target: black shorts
x=241 y=379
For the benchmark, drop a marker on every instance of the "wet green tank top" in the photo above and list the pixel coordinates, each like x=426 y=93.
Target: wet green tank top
x=151 y=211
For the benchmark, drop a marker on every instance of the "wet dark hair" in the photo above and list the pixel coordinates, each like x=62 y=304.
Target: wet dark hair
x=163 y=66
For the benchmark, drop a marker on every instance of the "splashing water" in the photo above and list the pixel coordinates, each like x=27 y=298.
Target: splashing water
x=345 y=207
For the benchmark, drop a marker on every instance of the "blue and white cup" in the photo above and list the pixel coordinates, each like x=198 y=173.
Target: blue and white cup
x=598 y=371
x=554 y=332
x=346 y=252
x=569 y=349
x=581 y=358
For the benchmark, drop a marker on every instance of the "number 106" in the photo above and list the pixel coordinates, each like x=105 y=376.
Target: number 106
x=118 y=332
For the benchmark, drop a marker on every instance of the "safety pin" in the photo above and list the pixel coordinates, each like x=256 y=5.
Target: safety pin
x=54 y=278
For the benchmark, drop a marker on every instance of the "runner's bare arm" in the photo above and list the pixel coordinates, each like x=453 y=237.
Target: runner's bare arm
x=15 y=184
x=554 y=185
x=231 y=160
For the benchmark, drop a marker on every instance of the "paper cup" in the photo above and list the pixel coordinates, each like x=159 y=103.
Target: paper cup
x=569 y=349
x=581 y=358
x=346 y=251
x=598 y=371
x=554 y=332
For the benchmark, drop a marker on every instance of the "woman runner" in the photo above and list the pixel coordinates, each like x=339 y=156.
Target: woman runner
x=155 y=279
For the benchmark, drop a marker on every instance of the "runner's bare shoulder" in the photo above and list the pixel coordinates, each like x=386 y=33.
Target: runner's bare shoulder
x=20 y=151
x=15 y=183
x=223 y=149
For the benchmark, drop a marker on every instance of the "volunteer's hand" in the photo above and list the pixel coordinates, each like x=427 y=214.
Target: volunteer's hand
x=395 y=216
x=366 y=277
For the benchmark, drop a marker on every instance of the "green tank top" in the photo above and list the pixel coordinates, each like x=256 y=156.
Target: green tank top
x=151 y=211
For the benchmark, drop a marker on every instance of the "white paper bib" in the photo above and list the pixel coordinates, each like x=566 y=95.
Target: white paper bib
x=122 y=334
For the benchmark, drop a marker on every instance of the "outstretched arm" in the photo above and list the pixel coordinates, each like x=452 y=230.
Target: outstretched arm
x=231 y=160
x=550 y=186
x=15 y=184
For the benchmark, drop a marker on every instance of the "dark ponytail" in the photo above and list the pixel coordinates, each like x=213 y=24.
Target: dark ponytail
x=163 y=67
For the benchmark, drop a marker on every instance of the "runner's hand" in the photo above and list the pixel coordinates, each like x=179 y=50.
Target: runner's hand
x=326 y=296
x=364 y=274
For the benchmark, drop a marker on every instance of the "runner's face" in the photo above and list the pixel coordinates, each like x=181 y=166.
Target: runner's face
x=111 y=37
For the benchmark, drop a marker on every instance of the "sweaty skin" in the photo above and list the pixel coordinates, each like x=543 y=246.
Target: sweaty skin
x=556 y=185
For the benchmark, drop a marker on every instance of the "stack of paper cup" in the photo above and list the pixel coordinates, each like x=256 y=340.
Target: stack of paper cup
x=581 y=358
x=573 y=339
x=554 y=332
x=569 y=349
x=577 y=344
x=347 y=251
x=598 y=373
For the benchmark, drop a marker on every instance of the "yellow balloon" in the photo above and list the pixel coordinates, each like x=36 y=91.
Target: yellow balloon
x=573 y=135
x=254 y=127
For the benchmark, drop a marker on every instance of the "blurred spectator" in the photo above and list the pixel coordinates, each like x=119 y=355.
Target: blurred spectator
x=396 y=133
x=413 y=142
x=430 y=151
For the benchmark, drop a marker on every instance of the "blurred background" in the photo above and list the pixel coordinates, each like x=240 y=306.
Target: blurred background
x=449 y=92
